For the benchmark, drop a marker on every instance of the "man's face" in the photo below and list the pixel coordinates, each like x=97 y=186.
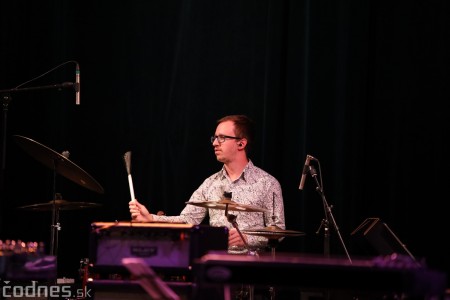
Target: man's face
x=226 y=150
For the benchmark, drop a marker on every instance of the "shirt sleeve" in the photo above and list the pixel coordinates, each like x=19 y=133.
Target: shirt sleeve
x=190 y=214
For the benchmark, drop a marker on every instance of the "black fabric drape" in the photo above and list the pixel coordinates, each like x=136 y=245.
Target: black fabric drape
x=361 y=86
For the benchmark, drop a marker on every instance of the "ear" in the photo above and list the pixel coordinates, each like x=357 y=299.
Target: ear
x=242 y=143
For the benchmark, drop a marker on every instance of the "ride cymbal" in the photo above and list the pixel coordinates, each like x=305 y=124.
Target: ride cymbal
x=59 y=163
x=225 y=203
x=59 y=205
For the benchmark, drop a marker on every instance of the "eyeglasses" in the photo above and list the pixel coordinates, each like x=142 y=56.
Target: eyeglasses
x=223 y=138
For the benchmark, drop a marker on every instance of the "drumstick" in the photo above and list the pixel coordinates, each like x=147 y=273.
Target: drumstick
x=127 y=160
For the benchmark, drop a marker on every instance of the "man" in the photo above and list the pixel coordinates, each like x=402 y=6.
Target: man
x=249 y=186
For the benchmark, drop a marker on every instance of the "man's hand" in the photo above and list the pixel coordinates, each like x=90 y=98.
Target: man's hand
x=139 y=212
x=234 y=239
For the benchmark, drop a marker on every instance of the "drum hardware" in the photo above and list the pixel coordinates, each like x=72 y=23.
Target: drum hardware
x=229 y=205
x=56 y=206
x=59 y=164
x=272 y=232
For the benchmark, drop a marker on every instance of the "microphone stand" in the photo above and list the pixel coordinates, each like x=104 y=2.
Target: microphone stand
x=328 y=217
x=6 y=99
x=42 y=87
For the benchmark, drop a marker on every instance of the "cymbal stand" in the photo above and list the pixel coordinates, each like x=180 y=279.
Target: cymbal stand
x=232 y=219
x=328 y=217
x=55 y=227
x=273 y=242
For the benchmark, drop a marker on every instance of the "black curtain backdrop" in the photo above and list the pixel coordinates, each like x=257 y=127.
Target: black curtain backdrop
x=363 y=86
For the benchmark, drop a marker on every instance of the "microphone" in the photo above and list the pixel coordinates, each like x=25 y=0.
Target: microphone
x=77 y=85
x=305 y=171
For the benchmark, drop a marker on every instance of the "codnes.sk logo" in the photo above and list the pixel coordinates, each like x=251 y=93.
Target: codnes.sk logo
x=10 y=289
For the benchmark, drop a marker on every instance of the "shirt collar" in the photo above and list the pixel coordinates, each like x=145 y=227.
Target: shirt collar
x=246 y=173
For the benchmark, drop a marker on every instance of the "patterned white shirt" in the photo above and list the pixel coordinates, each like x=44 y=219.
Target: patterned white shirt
x=254 y=187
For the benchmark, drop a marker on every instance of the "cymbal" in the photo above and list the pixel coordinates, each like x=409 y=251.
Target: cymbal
x=59 y=163
x=226 y=203
x=272 y=232
x=60 y=205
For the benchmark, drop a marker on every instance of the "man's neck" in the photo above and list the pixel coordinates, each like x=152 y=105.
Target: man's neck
x=235 y=168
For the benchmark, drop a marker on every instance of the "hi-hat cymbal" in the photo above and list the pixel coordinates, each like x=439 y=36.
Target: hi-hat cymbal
x=225 y=203
x=272 y=232
x=59 y=205
x=59 y=163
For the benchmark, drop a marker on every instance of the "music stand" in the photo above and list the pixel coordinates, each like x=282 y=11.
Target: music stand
x=380 y=237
